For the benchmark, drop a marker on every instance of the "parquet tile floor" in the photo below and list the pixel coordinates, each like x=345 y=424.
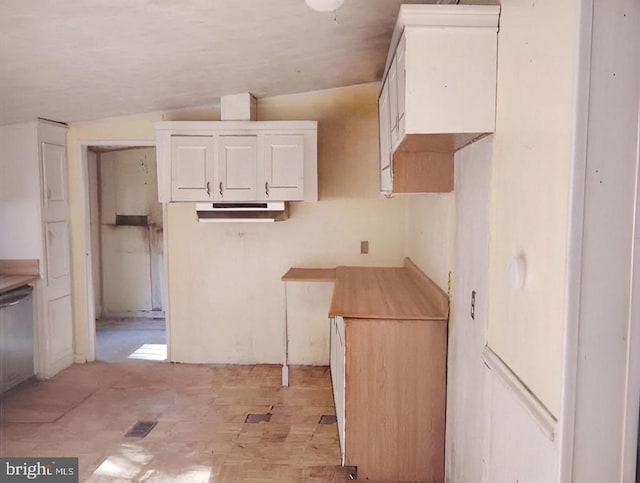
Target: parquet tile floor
x=201 y=435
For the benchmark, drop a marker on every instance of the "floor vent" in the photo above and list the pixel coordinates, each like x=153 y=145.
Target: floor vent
x=141 y=429
x=327 y=419
x=258 y=418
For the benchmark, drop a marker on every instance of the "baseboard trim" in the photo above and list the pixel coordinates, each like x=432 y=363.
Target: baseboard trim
x=542 y=416
x=140 y=314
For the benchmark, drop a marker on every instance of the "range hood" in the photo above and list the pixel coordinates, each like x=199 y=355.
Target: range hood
x=242 y=212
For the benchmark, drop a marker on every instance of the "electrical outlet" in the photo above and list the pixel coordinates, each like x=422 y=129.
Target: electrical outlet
x=364 y=247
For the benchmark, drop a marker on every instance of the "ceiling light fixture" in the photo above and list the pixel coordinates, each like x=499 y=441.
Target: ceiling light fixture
x=324 y=5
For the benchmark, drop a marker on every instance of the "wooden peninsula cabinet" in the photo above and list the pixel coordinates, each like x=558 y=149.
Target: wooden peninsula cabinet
x=388 y=369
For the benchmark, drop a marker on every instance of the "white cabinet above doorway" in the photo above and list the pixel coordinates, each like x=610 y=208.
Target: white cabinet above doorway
x=229 y=161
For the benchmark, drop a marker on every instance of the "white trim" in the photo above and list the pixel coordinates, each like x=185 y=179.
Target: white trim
x=632 y=403
x=165 y=279
x=139 y=314
x=576 y=202
x=89 y=315
x=441 y=15
x=90 y=354
x=192 y=127
x=542 y=416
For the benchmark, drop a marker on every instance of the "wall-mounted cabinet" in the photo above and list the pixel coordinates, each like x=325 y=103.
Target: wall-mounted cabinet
x=438 y=93
x=237 y=161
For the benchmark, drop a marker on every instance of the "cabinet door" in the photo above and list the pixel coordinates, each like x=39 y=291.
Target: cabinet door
x=237 y=169
x=393 y=102
x=384 y=127
x=284 y=167
x=401 y=88
x=191 y=168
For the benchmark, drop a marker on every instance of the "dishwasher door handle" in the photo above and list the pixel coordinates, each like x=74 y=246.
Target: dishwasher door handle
x=14 y=297
x=12 y=302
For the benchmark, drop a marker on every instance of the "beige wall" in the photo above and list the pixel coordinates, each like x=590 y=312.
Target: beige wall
x=94 y=201
x=431 y=231
x=129 y=187
x=226 y=297
x=530 y=187
x=134 y=129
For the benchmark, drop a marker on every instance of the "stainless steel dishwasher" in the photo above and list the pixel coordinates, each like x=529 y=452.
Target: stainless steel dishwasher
x=16 y=337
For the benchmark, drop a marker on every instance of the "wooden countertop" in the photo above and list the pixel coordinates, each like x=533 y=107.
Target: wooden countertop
x=387 y=293
x=310 y=275
x=15 y=273
x=9 y=282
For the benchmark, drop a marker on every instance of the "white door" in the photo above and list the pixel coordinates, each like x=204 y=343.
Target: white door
x=465 y=379
x=384 y=126
x=57 y=322
x=237 y=165
x=191 y=168
x=284 y=167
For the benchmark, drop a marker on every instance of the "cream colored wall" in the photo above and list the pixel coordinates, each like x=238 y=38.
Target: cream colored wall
x=226 y=297
x=20 y=193
x=134 y=128
x=530 y=188
x=431 y=232
x=94 y=195
x=129 y=187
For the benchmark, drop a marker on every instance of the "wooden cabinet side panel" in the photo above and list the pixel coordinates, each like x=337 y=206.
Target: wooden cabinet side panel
x=395 y=399
x=422 y=172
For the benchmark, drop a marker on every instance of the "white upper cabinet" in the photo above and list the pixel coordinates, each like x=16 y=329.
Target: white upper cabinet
x=232 y=161
x=237 y=176
x=440 y=80
x=191 y=167
x=284 y=166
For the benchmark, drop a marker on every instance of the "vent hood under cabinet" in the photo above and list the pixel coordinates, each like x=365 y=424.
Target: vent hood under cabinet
x=438 y=93
x=242 y=212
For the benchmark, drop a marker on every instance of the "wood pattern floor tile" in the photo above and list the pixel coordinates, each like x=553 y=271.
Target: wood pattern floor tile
x=201 y=435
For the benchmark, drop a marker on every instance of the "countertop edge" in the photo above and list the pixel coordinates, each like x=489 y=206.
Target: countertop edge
x=9 y=282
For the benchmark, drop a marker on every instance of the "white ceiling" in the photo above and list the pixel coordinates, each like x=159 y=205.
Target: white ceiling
x=72 y=60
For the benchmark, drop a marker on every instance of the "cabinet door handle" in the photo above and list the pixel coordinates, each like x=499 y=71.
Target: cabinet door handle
x=208 y=188
x=266 y=188
x=220 y=189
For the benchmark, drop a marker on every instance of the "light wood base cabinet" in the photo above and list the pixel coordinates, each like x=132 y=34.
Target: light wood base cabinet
x=389 y=380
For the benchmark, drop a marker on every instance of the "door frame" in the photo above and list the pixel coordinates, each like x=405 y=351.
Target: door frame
x=627 y=394
x=90 y=316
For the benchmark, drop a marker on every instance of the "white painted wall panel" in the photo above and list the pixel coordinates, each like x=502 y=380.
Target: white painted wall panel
x=307 y=314
x=466 y=407
x=518 y=451
x=94 y=211
x=131 y=255
x=602 y=418
x=20 y=192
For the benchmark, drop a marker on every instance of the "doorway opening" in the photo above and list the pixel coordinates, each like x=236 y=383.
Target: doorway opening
x=127 y=259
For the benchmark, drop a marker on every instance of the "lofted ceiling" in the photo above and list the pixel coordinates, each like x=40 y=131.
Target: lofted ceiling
x=72 y=60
